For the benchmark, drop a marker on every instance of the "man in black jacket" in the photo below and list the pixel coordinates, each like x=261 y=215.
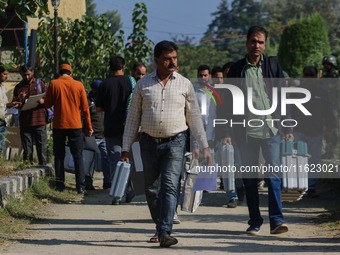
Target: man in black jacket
x=250 y=73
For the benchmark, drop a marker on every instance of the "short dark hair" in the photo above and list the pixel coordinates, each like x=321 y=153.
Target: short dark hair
x=138 y=64
x=203 y=67
x=216 y=69
x=164 y=46
x=117 y=63
x=2 y=68
x=227 y=65
x=25 y=68
x=311 y=67
x=256 y=29
x=64 y=71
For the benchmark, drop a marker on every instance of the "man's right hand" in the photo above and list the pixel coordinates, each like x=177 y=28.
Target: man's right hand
x=125 y=157
x=226 y=140
x=195 y=154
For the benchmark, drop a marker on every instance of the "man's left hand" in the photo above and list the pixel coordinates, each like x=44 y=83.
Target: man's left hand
x=207 y=156
x=41 y=101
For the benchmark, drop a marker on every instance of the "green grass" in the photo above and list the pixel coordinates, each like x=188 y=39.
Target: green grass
x=330 y=220
x=19 y=213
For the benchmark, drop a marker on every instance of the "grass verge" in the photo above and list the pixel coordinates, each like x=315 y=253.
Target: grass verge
x=18 y=213
x=331 y=218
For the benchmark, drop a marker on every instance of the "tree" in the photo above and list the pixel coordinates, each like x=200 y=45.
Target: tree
x=140 y=47
x=231 y=20
x=88 y=44
x=113 y=16
x=85 y=44
x=91 y=8
x=114 y=20
x=23 y=9
x=304 y=43
x=190 y=57
x=284 y=10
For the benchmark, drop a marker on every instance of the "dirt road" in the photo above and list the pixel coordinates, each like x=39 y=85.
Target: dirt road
x=94 y=226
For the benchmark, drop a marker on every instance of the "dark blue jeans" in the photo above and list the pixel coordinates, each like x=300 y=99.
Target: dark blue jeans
x=3 y=131
x=105 y=163
x=164 y=160
x=250 y=157
x=75 y=138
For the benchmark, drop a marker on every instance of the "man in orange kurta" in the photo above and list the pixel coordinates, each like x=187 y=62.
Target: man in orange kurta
x=68 y=96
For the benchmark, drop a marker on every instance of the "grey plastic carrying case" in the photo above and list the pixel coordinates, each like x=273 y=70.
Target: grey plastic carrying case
x=120 y=179
x=225 y=158
x=294 y=157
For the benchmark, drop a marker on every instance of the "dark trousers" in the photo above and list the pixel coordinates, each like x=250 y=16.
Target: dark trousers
x=38 y=135
x=75 y=138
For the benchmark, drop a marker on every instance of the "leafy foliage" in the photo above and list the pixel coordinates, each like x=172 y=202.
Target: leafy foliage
x=85 y=44
x=113 y=16
x=190 y=57
x=24 y=9
x=91 y=8
x=231 y=20
x=114 y=20
x=310 y=44
x=140 y=46
x=285 y=10
x=88 y=44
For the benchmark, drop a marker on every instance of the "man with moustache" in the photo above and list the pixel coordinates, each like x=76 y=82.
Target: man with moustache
x=162 y=103
x=138 y=71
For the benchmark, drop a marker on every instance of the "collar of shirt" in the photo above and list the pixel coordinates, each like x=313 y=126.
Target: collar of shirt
x=198 y=89
x=250 y=64
x=156 y=77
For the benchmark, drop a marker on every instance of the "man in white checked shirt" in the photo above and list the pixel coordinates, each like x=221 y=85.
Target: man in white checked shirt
x=162 y=103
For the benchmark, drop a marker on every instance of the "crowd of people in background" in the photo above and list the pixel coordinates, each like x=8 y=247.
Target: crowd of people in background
x=158 y=108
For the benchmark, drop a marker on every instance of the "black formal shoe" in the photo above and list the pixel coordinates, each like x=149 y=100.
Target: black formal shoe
x=106 y=185
x=167 y=241
x=232 y=203
x=89 y=187
x=82 y=191
x=129 y=199
x=312 y=193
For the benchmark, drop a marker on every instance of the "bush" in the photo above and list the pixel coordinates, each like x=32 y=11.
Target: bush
x=304 y=43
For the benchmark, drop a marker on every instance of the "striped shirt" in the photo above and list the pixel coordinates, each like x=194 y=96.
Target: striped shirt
x=163 y=111
x=33 y=117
